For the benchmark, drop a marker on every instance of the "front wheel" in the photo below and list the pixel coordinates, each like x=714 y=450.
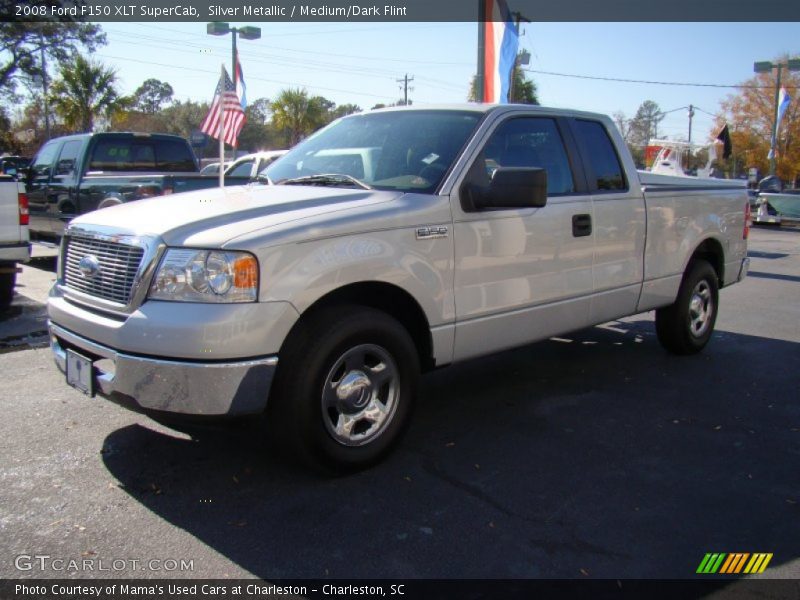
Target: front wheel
x=345 y=386
x=685 y=327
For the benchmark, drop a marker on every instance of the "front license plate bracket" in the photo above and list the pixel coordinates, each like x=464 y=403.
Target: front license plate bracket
x=80 y=372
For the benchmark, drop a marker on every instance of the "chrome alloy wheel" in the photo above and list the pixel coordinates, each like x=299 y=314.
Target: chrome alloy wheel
x=701 y=308
x=360 y=395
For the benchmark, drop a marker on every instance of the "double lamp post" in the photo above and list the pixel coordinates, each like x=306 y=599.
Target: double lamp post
x=766 y=66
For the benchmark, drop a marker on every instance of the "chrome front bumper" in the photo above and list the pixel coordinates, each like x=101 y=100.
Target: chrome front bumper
x=187 y=387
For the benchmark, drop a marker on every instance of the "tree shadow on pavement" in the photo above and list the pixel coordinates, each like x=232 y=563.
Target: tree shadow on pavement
x=595 y=454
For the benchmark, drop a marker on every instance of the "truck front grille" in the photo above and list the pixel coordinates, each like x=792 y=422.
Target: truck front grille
x=115 y=267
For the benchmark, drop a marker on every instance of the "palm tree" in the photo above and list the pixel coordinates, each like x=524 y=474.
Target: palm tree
x=297 y=114
x=84 y=91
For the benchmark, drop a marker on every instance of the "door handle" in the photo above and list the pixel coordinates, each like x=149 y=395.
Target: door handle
x=581 y=225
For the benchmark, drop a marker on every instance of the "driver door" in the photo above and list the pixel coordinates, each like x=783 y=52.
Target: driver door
x=523 y=274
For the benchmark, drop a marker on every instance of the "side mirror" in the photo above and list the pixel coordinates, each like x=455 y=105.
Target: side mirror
x=512 y=187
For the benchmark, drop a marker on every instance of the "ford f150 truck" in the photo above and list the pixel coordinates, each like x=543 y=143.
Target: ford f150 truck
x=392 y=242
x=76 y=174
x=14 y=245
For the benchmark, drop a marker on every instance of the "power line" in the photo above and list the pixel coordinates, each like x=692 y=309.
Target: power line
x=277 y=60
x=675 y=83
x=206 y=71
x=706 y=112
x=323 y=31
x=286 y=61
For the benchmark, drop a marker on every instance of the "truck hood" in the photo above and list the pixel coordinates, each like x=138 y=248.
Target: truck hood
x=214 y=216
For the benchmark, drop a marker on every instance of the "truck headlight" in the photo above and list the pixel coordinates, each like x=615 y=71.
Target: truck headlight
x=187 y=275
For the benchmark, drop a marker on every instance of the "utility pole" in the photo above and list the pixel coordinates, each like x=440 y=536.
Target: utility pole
x=44 y=87
x=405 y=81
x=689 y=151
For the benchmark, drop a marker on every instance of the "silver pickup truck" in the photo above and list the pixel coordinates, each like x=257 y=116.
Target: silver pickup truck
x=393 y=242
x=15 y=247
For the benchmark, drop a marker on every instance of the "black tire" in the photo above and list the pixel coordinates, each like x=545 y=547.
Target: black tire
x=686 y=326
x=7 y=282
x=326 y=400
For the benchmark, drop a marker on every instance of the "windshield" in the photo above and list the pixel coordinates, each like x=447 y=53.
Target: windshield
x=407 y=151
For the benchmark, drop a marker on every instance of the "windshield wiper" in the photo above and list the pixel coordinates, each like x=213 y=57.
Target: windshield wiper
x=332 y=179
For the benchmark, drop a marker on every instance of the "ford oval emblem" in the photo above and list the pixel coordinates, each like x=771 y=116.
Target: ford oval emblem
x=89 y=266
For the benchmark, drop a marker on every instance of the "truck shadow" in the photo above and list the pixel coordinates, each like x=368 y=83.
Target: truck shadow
x=44 y=263
x=595 y=454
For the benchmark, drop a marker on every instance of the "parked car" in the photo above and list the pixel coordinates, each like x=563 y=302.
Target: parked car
x=13 y=165
x=14 y=245
x=210 y=169
x=76 y=174
x=250 y=165
x=319 y=300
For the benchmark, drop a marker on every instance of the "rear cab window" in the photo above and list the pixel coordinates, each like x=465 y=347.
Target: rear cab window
x=603 y=168
x=141 y=154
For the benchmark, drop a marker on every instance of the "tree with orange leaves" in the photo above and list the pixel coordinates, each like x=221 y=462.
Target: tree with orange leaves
x=750 y=113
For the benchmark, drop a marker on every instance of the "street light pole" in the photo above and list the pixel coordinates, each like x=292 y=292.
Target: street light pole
x=766 y=67
x=247 y=33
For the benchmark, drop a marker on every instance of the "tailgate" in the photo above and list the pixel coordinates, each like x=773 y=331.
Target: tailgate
x=9 y=212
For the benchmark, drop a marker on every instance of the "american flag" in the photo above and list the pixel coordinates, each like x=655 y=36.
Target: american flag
x=234 y=115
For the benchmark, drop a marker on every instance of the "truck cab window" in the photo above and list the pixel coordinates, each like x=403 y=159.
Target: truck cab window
x=242 y=169
x=173 y=156
x=605 y=171
x=43 y=163
x=129 y=154
x=531 y=142
x=67 y=158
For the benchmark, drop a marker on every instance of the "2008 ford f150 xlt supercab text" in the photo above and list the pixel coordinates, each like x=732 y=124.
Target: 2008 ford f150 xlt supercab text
x=394 y=242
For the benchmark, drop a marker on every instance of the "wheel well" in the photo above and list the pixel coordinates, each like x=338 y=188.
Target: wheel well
x=109 y=201
x=711 y=251
x=392 y=300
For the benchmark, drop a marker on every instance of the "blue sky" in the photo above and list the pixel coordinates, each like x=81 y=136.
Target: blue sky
x=360 y=62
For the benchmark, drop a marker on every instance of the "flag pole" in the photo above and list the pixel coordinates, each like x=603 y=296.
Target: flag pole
x=480 y=78
x=221 y=101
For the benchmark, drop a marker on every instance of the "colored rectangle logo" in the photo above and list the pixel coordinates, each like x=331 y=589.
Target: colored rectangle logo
x=734 y=563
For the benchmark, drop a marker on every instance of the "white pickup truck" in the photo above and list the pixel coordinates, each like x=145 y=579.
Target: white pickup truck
x=14 y=245
x=393 y=242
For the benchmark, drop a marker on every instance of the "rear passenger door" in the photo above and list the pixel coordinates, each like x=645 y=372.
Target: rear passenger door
x=64 y=185
x=618 y=221
x=523 y=274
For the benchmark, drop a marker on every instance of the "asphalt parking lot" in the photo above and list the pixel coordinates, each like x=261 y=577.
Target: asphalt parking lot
x=592 y=455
